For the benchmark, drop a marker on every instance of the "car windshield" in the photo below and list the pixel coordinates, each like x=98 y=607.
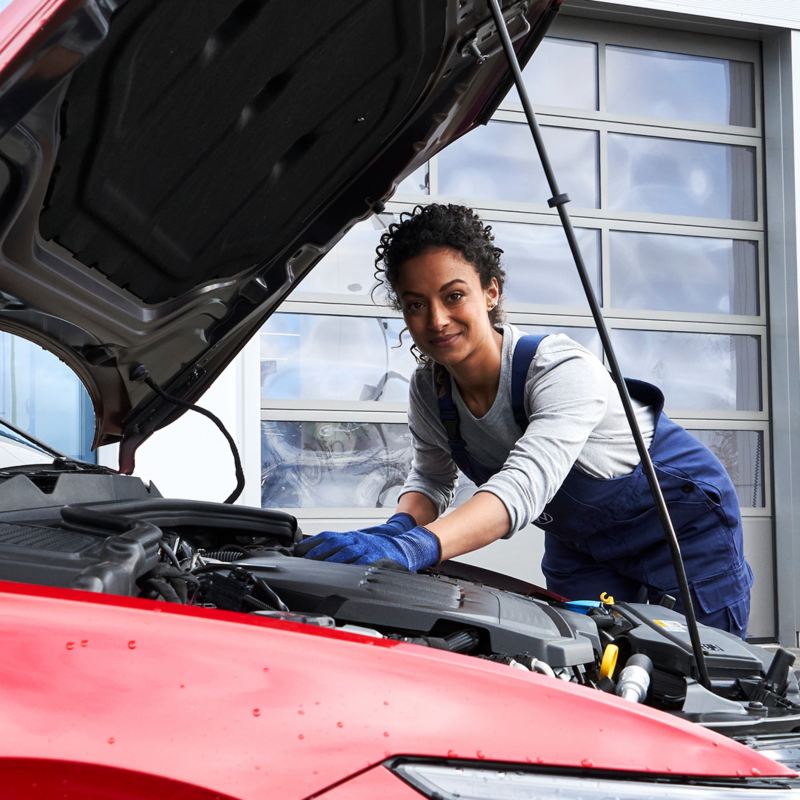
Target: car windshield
x=17 y=449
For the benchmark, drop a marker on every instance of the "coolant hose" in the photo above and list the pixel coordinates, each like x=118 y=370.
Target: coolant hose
x=535 y=665
x=541 y=666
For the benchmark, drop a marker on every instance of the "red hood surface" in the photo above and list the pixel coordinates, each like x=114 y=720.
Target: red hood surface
x=248 y=707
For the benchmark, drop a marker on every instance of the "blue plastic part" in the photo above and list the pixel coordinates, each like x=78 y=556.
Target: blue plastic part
x=582 y=606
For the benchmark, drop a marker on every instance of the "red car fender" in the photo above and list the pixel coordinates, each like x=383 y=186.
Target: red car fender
x=374 y=783
x=40 y=779
x=246 y=706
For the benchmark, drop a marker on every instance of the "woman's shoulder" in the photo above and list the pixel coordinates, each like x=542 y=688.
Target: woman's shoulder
x=568 y=362
x=562 y=342
x=558 y=356
x=554 y=347
x=422 y=384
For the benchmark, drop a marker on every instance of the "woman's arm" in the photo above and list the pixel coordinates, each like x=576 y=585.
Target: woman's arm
x=567 y=401
x=478 y=522
x=419 y=506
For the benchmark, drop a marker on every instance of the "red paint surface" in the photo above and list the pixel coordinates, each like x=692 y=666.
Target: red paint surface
x=25 y=27
x=36 y=779
x=247 y=707
x=370 y=785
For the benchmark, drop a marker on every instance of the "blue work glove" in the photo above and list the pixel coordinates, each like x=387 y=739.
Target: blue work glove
x=414 y=550
x=397 y=523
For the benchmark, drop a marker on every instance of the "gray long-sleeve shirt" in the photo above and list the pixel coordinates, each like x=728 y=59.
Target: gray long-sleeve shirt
x=575 y=417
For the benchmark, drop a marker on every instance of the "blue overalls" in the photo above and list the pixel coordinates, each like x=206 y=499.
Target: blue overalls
x=604 y=535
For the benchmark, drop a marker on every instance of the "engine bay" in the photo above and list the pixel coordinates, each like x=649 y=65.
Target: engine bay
x=136 y=543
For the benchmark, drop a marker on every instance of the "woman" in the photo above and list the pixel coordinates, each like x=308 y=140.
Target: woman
x=537 y=423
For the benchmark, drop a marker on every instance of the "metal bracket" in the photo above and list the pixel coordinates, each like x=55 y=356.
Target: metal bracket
x=488 y=32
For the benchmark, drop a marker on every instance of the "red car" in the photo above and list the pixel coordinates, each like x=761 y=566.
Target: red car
x=169 y=172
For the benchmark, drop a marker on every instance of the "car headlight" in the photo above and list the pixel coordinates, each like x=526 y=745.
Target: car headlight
x=466 y=783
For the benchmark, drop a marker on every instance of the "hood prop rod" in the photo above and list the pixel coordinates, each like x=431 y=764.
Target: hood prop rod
x=559 y=201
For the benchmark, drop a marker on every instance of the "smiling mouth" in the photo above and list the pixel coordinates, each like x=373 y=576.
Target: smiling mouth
x=444 y=341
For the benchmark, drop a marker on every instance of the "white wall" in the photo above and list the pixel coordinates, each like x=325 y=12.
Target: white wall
x=780 y=13
x=191 y=458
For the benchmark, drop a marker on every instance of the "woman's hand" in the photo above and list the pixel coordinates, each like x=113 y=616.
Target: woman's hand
x=414 y=549
x=399 y=522
x=476 y=523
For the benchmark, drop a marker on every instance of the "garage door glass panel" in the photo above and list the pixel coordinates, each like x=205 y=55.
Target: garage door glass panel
x=678 y=86
x=742 y=455
x=333 y=464
x=561 y=73
x=696 y=371
x=683 y=273
x=539 y=266
x=315 y=357
x=686 y=178
x=349 y=266
x=497 y=162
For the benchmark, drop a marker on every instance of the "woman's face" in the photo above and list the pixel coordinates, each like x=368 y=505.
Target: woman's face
x=445 y=307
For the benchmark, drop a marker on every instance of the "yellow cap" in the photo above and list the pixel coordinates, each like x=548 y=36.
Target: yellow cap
x=606 y=598
x=609 y=662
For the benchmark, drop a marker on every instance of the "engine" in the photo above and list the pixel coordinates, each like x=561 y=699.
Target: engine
x=241 y=559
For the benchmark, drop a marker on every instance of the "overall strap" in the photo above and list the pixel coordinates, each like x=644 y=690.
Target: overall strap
x=524 y=353
x=448 y=413
x=646 y=393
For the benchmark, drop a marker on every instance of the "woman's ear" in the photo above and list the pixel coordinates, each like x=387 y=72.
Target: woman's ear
x=492 y=294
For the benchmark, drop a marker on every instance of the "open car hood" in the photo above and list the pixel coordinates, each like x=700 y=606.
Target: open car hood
x=168 y=175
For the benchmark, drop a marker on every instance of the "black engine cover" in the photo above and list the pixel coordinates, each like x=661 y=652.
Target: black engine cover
x=422 y=605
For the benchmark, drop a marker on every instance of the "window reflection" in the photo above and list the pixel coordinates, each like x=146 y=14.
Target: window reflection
x=316 y=357
x=498 y=162
x=687 y=178
x=41 y=395
x=652 y=83
x=742 y=455
x=333 y=464
x=417 y=182
x=561 y=73
x=703 y=371
x=539 y=266
x=683 y=273
x=348 y=269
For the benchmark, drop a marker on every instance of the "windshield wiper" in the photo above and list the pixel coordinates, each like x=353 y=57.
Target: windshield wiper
x=25 y=438
x=61 y=462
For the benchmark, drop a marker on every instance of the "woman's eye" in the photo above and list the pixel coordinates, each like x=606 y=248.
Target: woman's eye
x=415 y=306
x=455 y=297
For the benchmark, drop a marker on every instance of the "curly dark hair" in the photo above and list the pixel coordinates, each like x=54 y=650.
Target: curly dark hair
x=438 y=225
